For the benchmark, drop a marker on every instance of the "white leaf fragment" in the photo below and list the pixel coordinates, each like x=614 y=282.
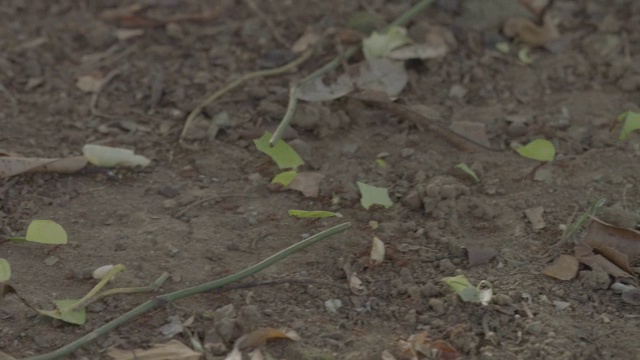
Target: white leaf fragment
x=106 y=156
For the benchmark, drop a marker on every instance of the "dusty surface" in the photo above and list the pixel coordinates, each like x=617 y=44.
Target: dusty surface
x=569 y=97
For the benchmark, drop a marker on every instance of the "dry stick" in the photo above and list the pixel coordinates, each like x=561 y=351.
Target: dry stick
x=293 y=100
x=262 y=73
x=274 y=31
x=96 y=95
x=167 y=298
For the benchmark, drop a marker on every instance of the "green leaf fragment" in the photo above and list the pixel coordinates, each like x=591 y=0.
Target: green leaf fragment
x=467 y=169
x=46 y=232
x=313 y=214
x=380 y=45
x=373 y=195
x=631 y=122
x=76 y=316
x=539 y=149
x=285 y=178
x=5 y=270
x=462 y=287
x=282 y=153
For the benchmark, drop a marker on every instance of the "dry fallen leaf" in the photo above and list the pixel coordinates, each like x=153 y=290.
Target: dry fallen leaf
x=317 y=90
x=529 y=33
x=356 y=286
x=564 y=267
x=618 y=245
x=260 y=336
x=173 y=350
x=535 y=217
x=383 y=75
x=308 y=183
x=10 y=166
x=420 y=343
x=308 y=39
x=599 y=262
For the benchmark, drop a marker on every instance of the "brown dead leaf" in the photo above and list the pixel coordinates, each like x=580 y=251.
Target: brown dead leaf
x=478 y=255
x=564 y=267
x=173 y=350
x=438 y=42
x=10 y=166
x=260 y=336
x=90 y=83
x=308 y=39
x=308 y=183
x=472 y=130
x=599 y=262
x=529 y=33
x=618 y=245
x=420 y=343
x=535 y=217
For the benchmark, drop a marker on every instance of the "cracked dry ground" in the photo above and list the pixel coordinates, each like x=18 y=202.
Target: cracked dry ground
x=569 y=98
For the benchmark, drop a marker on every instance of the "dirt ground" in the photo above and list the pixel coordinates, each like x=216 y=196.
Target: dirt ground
x=149 y=220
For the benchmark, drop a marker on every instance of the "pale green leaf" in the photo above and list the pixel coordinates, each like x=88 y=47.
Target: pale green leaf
x=46 y=232
x=524 y=56
x=467 y=169
x=462 y=287
x=284 y=178
x=373 y=195
x=106 y=156
x=541 y=150
x=5 y=270
x=313 y=214
x=380 y=45
x=631 y=123
x=283 y=154
x=77 y=317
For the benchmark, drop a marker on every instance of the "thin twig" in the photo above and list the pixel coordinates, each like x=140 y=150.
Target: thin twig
x=293 y=100
x=274 y=31
x=96 y=94
x=261 y=73
x=201 y=201
x=167 y=298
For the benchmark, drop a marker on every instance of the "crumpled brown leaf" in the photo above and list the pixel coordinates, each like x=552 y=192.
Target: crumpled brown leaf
x=616 y=244
x=529 y=33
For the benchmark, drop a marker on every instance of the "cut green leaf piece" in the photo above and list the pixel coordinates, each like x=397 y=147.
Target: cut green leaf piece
x=373 y=195
x=5 y=270
x=46 y=232
x=284 y=178
x=283 y=154
x=462 y=287
x=631 y=122
x=313 y=214
x=380 y=45
x=77 y=317
x=541 y=150
x=467 y=169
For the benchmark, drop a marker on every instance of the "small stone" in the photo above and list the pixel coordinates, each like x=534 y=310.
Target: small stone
x=433 y=191
x=332 y=305
x=406 y=276
x=534 y=328
x=595 y=279
x=51 y=260
x=449 y=192
x=457 y=91
x=120 y=246
x=412 y=200
x=225 y=328
x=407 y=152
x=249 y=318
x=446 y=266
x=169 y=203
x=502 y=299
x=169 y=191
x=437 y=305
